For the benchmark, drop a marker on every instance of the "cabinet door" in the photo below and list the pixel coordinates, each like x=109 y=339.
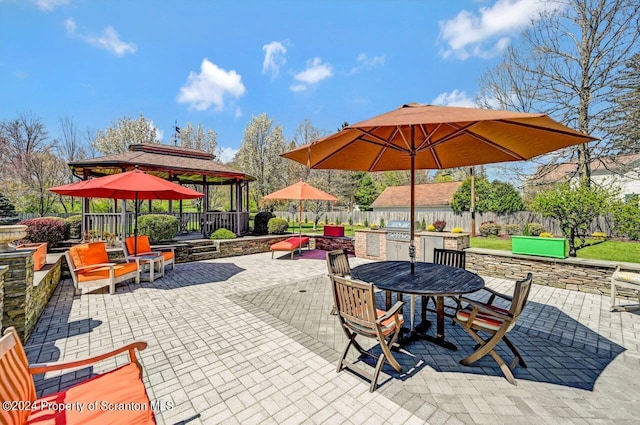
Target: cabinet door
x=373 y=244
x=428 y=244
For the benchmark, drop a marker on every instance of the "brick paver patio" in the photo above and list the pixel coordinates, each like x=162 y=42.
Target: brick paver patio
x=250 y=340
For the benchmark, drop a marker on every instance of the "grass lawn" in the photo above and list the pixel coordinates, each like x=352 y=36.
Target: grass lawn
x=608 y=250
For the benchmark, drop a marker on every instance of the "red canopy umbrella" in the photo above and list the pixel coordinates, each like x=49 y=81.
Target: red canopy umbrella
x=136 y=185
x=300 y=191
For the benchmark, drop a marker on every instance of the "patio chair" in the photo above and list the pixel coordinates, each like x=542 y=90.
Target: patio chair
x=356 y=304
x=447 y=257
x=485 y=317
x=113 y=388
x=144 y=248
x=91 y=268
x=628 y=280
x=338 y=264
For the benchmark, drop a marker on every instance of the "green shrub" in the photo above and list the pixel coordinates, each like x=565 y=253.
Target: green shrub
x=222 y=233
x=381 y=222
x=45 y=229
x=277 y=225
x=261 y=223
x=8 y=213
x=73 y=227
x=512 y=229
x=534 y=229
x=489 y=228
x=366 y=223
x=159 y=227
x=423 y=224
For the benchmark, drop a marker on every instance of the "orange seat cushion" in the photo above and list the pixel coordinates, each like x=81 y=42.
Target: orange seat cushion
x=167 y=256
x=289 y=244
x=88 y=254
x=387 y=326
x=120 y=395
x=143 y=245
x=103 y=272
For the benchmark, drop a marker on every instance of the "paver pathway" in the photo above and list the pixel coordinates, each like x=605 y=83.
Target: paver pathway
x=250 y=340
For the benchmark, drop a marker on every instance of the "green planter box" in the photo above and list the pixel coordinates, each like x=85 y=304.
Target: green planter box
x=534 y=245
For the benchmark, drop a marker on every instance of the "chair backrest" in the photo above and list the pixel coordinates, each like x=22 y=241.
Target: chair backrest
x=16 y=383
x=86 y=254
x=449 y=257
x=338 y=263
x=356 y=304
x=143 y=244
x=520 y=295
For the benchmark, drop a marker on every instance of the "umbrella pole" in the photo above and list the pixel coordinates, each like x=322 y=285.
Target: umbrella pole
x=135 y=228
x=412 y=207
x=300 y=229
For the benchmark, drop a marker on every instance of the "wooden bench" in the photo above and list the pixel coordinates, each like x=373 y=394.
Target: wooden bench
x=93 y=401
x=290 y=245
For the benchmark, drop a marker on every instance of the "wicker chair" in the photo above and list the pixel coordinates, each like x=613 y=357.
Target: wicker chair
x=487 y=318
x=356 y=304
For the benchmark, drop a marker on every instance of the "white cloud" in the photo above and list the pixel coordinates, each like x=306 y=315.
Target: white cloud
x=49 y=5
x=210 y=87
x=297 y=87
x=316 y=71
x=110 y=40
x=469 y=34
x=273 y=58
x=455 y=98
x=365 y=62
x=227 y=154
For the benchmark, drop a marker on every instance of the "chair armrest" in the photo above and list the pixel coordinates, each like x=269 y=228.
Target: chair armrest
x=95 y=266
x=495 y=294
x=391 y=312
x=485 y=309
x=37 y=368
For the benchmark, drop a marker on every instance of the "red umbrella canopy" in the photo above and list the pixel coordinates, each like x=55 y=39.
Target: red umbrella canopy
x=134 y=184
x=301 y=191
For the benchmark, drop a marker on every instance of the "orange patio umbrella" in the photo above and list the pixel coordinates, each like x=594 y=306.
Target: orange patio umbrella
x=418 y=136
x=135 y=184
x=300 y=191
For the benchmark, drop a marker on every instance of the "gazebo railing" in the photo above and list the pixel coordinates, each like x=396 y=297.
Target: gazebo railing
x=99 y=223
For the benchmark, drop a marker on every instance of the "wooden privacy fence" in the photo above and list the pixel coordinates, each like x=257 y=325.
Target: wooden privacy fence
x=602 y=224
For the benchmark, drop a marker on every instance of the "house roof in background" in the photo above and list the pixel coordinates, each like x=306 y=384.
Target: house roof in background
x=169 y=162
x=556 y=172
x=427 y=195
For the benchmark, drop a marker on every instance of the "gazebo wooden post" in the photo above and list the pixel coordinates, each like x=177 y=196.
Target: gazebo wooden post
x=85 y=212
x=238 y=205
x=205 y=205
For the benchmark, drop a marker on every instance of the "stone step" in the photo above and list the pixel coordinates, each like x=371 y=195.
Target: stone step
x=210 y=255
x=203 y=248
x=200 y=242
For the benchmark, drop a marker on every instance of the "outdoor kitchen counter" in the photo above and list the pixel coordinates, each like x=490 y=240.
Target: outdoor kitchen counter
x=372 y=244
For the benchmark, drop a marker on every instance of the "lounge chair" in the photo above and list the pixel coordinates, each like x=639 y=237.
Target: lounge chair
x=485 y=317
x=627 y=280
x=91 y=268
x=144 y=248
x=120 y=387
x=355 y=301
x=290 y=245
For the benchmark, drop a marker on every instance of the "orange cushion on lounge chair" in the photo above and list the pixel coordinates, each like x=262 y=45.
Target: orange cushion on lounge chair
x=87 y=254
x=143 y=245
x=289 y=244
x=120 y=394
x=103 y=272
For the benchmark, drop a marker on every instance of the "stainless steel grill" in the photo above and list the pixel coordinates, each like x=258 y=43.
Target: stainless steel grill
x=397 y=230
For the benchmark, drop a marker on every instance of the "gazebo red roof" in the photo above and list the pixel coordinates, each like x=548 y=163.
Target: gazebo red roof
x=183 y=165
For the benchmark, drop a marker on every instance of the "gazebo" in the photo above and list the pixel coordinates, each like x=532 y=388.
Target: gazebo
x=179 y=165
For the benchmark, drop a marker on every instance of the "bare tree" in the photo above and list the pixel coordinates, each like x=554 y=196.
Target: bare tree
x=626 y=121
x=124 y=132
x=566 y=65
x=258 y=156
x=197 y=138
x=69 y=147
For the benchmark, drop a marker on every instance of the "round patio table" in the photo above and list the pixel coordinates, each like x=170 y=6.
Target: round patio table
x=429 y=280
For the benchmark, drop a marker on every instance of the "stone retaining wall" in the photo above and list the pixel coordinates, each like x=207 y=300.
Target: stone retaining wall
x=592 y=276
x=42 y=292
x=18 y=289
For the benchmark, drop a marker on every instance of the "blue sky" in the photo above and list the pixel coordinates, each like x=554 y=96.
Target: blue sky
x=219 y=63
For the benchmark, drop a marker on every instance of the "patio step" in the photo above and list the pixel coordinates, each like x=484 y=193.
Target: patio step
x=203 y=249
x=209 y=255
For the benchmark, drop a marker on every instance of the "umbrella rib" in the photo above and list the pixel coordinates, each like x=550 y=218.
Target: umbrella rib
x=552 y=130
x=427 y=139
x=483 y=140
x=378 y=140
